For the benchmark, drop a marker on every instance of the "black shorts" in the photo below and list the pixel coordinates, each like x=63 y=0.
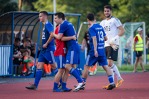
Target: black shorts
x=111 y=54
x=138 y=53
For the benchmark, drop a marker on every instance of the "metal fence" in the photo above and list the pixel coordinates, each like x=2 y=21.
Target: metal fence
x=5 y=60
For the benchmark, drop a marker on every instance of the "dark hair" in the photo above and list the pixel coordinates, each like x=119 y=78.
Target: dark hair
x=108 y=7
x=44 y=12
x=26 y=40
x=90 y=17
x=60 y=15
x=17 y=40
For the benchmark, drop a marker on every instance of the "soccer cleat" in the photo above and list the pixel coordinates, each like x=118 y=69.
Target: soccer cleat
x=57 y=90
x=31 y=87
x=79 y=87
x=66 y=90
x=119 y=83
x=105 y=87
x=110 y=87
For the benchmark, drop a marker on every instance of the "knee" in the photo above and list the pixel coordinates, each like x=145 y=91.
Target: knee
x=110 y=64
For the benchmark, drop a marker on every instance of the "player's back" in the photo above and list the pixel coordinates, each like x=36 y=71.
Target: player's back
x=68 y=30
x=97 y=30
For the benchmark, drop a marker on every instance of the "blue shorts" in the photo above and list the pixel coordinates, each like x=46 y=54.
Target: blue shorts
x=92 y=60
x=60 y=60
x=72 y=57
x=46 y=57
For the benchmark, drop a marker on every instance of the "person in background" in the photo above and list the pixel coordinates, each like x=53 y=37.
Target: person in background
x=138 y=49
x=86 y=43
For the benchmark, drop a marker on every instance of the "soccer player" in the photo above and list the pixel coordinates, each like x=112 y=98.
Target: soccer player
x=113 y=29
x=73 y=49
x=96 y=54
x=60 y=54
x=46 y=55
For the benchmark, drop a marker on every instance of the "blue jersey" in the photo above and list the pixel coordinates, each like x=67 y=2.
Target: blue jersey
x=97 y=31
x=48 y=28
x=67 y=29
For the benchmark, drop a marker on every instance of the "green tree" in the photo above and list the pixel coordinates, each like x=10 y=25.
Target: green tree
x=74 y=6
x=7 y=5
x=131 y=10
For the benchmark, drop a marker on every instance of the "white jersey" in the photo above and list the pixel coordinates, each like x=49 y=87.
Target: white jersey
x=111 y=28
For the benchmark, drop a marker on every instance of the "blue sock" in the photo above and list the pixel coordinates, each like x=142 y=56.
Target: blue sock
x=111 y=80
x=76 y=75
x=38 y=76
x=84 y=79
x=63 y=85
x=55 y=85
x=61 y=81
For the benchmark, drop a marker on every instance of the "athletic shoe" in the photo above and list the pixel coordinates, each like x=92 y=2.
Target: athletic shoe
x=119 y=83
x=105 y=87
x=66 y=90
x=79 y=87
x=57 y=90
x=110 y=87
x=31 y=87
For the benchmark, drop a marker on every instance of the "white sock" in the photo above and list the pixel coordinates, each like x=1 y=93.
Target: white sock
x=112 y=73
x=116 y=71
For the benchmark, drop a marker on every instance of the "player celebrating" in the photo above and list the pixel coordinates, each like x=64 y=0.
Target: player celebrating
x=97 y=50
x=46 y=54
x=59 y=54
x=113 y=29
x=73 y=50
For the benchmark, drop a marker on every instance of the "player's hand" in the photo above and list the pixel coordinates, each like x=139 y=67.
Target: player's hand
x=114 y=46
x=74 y=37
x=115 y=40
x=45 y=45
x=52 y=34
x=96 y=53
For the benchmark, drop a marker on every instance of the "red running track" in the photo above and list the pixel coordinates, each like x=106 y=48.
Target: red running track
x=135 y=86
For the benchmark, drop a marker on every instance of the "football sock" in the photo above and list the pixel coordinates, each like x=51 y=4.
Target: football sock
x=38 y=76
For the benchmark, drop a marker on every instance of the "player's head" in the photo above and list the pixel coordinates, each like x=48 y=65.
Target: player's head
x=43 y=16
x=59 y=17
x=140 y=30
x=107 y=11
x=17 y=41
x=90 y=18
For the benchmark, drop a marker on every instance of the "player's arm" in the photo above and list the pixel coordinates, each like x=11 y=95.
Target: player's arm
x=58 y=36
x=64 y=38
x=135 y=42
x=84 y=43
x=95 y=45
x=105 y=38
x=49 y=40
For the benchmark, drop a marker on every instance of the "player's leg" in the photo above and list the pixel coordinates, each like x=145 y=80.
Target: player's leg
x=110 y=77
x=141 y=61
x=102 y=60
x=38 y=76
x=136 y=61
x=64 y=81
x=61 y=70
x=72 y=57
x=114 y=56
